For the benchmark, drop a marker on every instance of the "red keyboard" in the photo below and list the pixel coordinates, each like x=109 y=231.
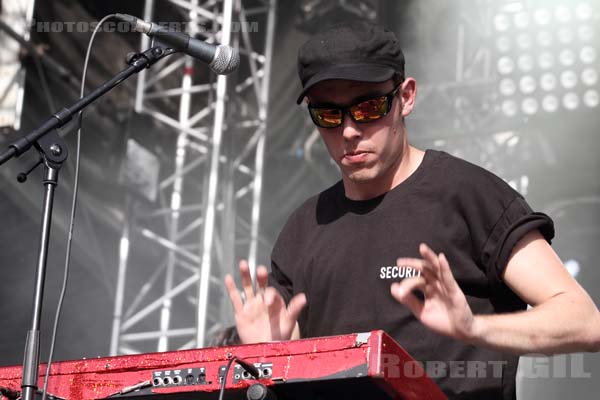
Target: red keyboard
x=367 y=366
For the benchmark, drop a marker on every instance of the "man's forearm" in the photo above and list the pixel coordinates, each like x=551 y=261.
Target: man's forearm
x=565 y=323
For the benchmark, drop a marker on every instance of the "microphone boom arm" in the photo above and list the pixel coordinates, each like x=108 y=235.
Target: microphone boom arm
x=136 y=63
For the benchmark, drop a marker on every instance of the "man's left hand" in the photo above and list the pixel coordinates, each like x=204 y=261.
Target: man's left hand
x=444 y=309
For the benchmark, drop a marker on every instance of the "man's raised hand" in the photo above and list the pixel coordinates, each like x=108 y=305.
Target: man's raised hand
x=445 y=309
x=263 y=315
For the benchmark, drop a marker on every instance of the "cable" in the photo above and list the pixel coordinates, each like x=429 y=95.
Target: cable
x=222 y=391
x=129 y=389
x=73 y=207
x=252 y=370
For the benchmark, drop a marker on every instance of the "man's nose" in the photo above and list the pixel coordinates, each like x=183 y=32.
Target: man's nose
x=350 y=129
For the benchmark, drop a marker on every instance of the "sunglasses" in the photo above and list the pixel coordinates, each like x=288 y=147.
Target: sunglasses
x=367 y=110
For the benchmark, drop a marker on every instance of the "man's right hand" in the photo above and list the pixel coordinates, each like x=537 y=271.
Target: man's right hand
x=263 y=316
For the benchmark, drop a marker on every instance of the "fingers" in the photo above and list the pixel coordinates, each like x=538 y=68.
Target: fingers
x=403 y=292
x=247 y=285
x=295 y=306
x=262 y=278
x=234 y=294
x=446 y=273
x=275 y=305
x=424 y=267
x=282 y=319
x=429 y=266
x=430 y=257
x=435 y=269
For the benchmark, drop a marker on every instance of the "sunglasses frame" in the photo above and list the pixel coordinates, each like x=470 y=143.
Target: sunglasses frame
x=345 y=110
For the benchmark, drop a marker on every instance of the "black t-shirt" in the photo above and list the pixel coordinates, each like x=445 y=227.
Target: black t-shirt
x=342 y=254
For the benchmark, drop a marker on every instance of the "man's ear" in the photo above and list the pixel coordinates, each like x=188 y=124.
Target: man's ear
x=408 y=93
x=306 y=101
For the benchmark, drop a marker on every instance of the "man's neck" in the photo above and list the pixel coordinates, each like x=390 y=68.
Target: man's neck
x=407 y=165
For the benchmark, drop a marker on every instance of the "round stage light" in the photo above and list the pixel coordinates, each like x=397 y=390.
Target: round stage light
x=501 y=22
x=585 y=33
x=506 y=65
x=589 y=76
x=507 y=87
x=509 y=108
x=527 y=84
x=568 y=79
x=562 y=13
x=570 y=101
x=567 y=57
x=524 y=41
x=587 y=54
x=584 y=11
x=548 y=82
x=550 y=103
x=525 y=62
x=544 y=38
x=591 y=98
x=529 y=106
x=542 y=16
x=565 y=35
x=503 y=44
x=521 y=20
x=546 y=60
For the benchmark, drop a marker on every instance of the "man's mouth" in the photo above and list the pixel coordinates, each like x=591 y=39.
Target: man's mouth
x=356 y=156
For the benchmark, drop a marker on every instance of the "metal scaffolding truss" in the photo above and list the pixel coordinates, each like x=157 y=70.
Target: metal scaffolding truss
x=464 y=104
x=15 y=19
x=206 y=215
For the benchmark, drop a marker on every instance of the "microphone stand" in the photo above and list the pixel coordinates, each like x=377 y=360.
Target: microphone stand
x=53 y=153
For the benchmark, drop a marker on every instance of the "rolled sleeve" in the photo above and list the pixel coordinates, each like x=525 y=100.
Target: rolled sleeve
x=515 y=222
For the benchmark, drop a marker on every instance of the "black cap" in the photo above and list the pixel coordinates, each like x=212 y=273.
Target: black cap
x=357 y=51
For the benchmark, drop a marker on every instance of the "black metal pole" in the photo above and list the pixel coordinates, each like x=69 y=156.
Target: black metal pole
x=32 y=345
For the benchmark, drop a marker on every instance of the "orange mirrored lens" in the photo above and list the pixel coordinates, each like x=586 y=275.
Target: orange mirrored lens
x=369 y=110
x=327 y=117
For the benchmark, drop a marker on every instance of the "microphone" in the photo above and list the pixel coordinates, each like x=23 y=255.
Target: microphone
x=221 y=59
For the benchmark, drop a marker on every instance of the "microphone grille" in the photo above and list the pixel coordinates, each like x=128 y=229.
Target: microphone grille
x=226 y=60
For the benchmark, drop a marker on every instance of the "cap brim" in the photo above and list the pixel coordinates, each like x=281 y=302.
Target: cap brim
x=352 y=72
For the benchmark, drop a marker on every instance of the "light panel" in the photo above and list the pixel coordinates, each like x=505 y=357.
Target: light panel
x=547 y=56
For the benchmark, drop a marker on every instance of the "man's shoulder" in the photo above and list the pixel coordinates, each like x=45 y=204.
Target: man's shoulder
x=461 y=173
x=458 y=181
x=449 y=162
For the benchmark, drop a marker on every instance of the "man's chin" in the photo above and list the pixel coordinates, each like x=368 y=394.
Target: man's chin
x=362 y=175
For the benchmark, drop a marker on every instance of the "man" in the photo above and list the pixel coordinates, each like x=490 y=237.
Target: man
x=360 y=255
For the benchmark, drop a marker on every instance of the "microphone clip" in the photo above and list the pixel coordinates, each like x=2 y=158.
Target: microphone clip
x=150 y=56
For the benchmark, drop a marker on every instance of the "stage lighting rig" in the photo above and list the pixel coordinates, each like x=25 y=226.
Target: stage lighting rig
x=546 y=57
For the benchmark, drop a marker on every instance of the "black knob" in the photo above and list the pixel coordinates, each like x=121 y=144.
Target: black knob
x=258 y=391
